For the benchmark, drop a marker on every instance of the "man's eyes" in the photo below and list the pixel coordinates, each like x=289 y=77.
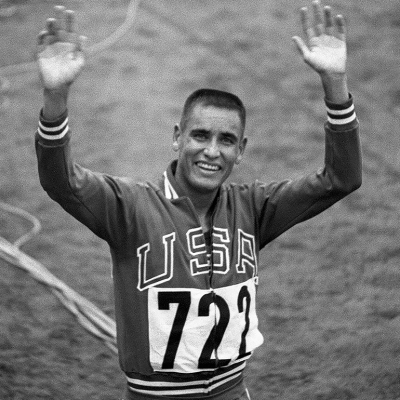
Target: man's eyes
x=203 y=136
x=200 y=135
x=227 y=140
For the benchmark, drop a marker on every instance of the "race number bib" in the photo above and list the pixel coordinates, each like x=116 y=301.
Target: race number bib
x=192 y=330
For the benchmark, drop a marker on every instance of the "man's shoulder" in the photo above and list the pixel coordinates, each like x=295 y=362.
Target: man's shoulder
x=246 y=186
x=133 y=184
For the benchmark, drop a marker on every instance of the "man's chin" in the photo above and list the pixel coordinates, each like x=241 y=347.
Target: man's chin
x=207 y=185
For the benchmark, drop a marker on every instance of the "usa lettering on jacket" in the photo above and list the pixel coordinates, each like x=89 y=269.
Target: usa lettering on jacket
x=200 y=259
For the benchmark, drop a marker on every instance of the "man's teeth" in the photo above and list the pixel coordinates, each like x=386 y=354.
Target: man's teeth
x=208 y=166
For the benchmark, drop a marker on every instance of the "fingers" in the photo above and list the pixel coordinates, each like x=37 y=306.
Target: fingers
x=58 y=27
x=301 y=46
x=319 y=20
x=59 y=17
x=69 y=20
x=328 y=20
x=51 y=26
x=341 y=26
x=306 y=23
x=41 y=37
x=322 y=21
x=49 y=35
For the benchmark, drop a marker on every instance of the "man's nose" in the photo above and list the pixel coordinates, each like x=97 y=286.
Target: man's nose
x=212 y=150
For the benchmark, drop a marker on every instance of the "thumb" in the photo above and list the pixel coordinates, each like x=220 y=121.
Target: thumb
x=82 y=43
x=300 y=45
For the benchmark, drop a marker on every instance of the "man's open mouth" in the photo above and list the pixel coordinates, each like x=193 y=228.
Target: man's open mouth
x=208 y=167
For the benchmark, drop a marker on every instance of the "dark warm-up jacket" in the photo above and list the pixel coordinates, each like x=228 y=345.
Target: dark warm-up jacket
x=186 y=310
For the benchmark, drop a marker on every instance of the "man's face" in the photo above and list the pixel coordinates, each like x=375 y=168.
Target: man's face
x=209 y=145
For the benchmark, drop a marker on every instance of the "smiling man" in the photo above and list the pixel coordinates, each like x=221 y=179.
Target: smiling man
x=210 y=141
x=185 y=249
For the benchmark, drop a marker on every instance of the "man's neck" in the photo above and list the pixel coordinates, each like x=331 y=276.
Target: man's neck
x=203 y=203
x=202 y=200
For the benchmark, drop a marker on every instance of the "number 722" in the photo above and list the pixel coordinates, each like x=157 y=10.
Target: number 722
x=206 y=305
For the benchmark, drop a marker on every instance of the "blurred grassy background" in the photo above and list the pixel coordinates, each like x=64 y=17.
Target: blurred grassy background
x=329 y=303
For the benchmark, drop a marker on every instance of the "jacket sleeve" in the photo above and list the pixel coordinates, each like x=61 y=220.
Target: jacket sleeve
x=282 y=205
x=94 y=199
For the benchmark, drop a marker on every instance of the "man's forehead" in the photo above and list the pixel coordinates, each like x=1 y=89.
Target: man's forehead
x=211 y=115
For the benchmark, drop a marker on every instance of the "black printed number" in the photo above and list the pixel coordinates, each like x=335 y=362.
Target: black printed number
x=244 y=295
x=183 y=301
x=216 y=335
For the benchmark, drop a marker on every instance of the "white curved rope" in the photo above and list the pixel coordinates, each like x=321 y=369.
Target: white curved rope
x=36 y=226
x=88 y=315
x=119 y=33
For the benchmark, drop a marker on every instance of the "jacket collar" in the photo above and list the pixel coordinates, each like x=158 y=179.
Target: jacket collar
x=171 y=189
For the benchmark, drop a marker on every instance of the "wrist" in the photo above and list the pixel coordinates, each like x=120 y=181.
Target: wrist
x=335 y=87
x=55 y=103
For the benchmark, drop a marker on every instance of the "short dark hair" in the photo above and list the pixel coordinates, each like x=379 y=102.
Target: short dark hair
x=214 y=98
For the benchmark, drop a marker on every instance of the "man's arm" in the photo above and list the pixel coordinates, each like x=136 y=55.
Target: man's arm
x=291 y=202
x=92 y=198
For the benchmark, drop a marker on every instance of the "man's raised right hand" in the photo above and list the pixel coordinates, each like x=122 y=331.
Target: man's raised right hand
x=60 y=55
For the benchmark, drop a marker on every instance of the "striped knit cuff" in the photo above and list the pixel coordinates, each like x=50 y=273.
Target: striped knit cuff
x=53 y=130
x=341 y=114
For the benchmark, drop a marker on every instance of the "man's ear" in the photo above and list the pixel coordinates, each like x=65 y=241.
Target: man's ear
x=176 y=137
x=242 y=148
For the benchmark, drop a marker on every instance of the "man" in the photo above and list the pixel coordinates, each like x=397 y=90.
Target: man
x=185 y=249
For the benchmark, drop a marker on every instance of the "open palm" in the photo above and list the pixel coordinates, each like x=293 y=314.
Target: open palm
x=326 y=53
x=59 y=55
x=325 y=50
x=59 y=64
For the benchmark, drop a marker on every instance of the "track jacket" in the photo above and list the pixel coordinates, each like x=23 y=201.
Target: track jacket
x=186 y=311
